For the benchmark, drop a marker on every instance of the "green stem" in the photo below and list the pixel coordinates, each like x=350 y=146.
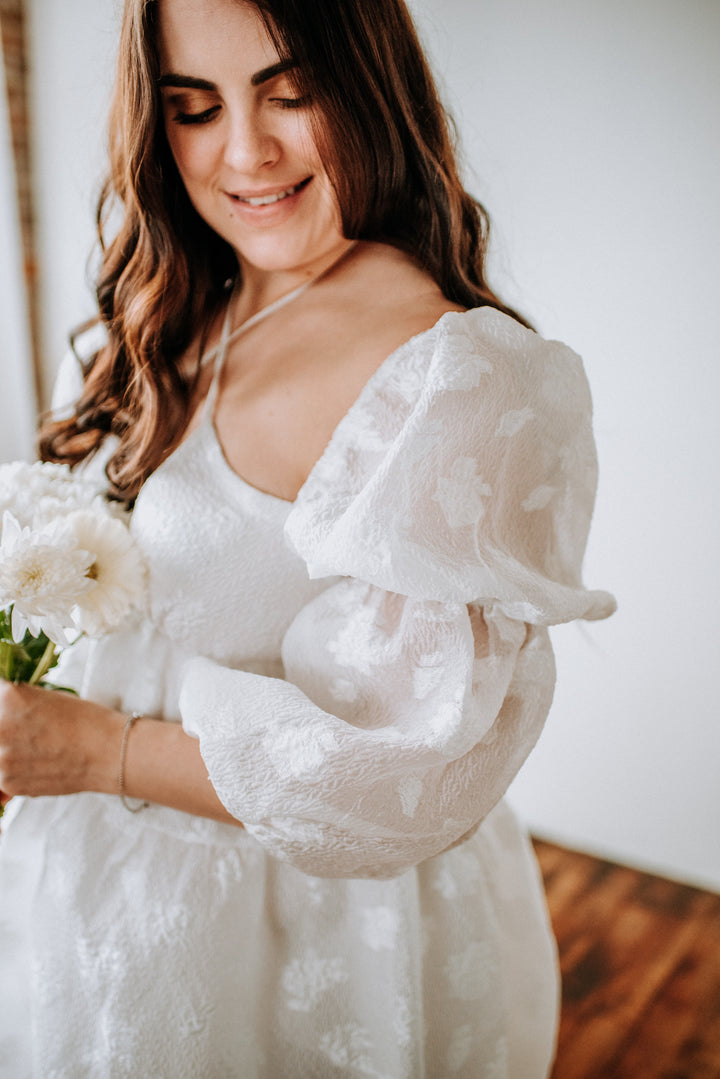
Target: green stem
x=7 y=660
x=44 y=665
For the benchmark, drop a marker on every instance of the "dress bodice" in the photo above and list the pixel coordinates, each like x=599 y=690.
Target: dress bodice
x=222 y=577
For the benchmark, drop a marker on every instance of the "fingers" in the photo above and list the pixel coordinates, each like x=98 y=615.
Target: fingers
x=55 y=743
x=37 y=755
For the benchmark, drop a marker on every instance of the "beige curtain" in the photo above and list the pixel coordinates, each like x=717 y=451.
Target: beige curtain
x=17 y=398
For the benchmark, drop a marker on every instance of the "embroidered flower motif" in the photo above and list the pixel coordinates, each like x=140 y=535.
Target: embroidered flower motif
x=298 y=751
x=227 y=871
x=346 y=1047
x=380 y=928
x=460 y=874
x=468 y=971
x=402 y=1023
x=446 y=719
x=445 y=884
x=468 y=368
x=461 y=494
x=195 y=1014
x=513 y=421
x=461 y=1043
x=539 y=498
x=97 y=959
x=171 y=922
x=425 y=439
x=468 y=1041
x=318 y=890
x=343 y=690
x=305 y=980
x=358 y=642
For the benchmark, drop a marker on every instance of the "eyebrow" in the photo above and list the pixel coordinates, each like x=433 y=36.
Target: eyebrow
x=190 y=82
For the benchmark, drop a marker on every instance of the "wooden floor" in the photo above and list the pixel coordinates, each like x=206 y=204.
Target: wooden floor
x=640 y=959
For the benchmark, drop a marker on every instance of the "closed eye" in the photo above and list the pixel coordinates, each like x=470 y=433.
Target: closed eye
x=291 y=102
x=196 y=117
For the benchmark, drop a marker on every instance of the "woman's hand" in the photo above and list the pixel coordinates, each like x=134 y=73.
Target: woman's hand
x=54 y=743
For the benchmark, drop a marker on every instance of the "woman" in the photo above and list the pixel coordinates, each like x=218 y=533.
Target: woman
x=362 y=489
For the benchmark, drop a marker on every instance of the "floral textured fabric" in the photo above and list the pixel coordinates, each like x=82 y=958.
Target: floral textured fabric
x=365 y=669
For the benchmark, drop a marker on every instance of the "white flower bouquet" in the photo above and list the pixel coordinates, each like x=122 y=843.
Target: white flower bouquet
x=68 y=566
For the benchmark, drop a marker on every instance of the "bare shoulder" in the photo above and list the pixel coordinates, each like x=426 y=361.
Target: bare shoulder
x=388 y=299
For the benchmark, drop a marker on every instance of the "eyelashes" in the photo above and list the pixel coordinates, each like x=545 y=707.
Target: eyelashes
x=204 y=117
x=292 y=102
x=196 y=117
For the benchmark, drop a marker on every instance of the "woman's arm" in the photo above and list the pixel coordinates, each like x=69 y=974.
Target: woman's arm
x=52 y=743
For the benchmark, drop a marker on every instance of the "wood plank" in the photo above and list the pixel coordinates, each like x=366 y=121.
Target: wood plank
x=640 y=959
x=680 y=1033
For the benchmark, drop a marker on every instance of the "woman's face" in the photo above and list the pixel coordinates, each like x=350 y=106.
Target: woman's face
x=241 y=138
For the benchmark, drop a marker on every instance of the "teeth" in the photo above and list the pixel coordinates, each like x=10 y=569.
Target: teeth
x=267 y=200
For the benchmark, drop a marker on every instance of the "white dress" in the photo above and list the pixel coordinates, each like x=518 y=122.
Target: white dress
x=366 y=669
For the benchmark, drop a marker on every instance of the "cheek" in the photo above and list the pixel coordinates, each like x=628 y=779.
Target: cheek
x=301 y=135
x=330 y=203
x=191 y=155
x=307 y=148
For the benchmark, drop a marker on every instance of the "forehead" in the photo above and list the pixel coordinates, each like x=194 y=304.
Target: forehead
x=212 y=37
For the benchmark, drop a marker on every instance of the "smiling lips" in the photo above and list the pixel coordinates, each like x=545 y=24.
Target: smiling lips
x=269 y=200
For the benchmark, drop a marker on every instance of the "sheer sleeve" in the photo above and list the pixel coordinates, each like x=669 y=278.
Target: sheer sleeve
x=454 y=501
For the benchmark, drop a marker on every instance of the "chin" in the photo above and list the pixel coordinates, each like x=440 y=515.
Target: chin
x=282 y=255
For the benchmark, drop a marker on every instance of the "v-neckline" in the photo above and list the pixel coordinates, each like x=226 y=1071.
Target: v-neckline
x=218 y=353
x=206 y=426
x=214 y=450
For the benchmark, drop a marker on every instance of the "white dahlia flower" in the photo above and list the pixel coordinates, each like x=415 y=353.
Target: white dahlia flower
x=116 y=572
x=39 y=493
x=43 y=574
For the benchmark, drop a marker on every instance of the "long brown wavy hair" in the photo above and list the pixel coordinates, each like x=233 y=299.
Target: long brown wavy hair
x=386 y=143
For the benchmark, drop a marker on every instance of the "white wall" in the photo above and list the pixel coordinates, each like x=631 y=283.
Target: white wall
x=591 y=134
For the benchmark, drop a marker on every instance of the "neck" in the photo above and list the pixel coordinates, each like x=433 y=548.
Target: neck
x=260 y=288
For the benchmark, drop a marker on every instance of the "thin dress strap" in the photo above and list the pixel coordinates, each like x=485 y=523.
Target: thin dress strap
x=218 y=352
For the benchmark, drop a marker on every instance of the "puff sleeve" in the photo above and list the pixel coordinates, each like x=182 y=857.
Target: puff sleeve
x=454 y=502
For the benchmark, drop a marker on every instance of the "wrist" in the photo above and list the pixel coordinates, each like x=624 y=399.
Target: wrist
x=130 y=722
x=105 y=736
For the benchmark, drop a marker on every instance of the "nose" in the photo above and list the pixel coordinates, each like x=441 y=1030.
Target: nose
x=249 y=144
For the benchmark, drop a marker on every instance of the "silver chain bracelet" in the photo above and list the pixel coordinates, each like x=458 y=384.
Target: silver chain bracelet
x=129 y=724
